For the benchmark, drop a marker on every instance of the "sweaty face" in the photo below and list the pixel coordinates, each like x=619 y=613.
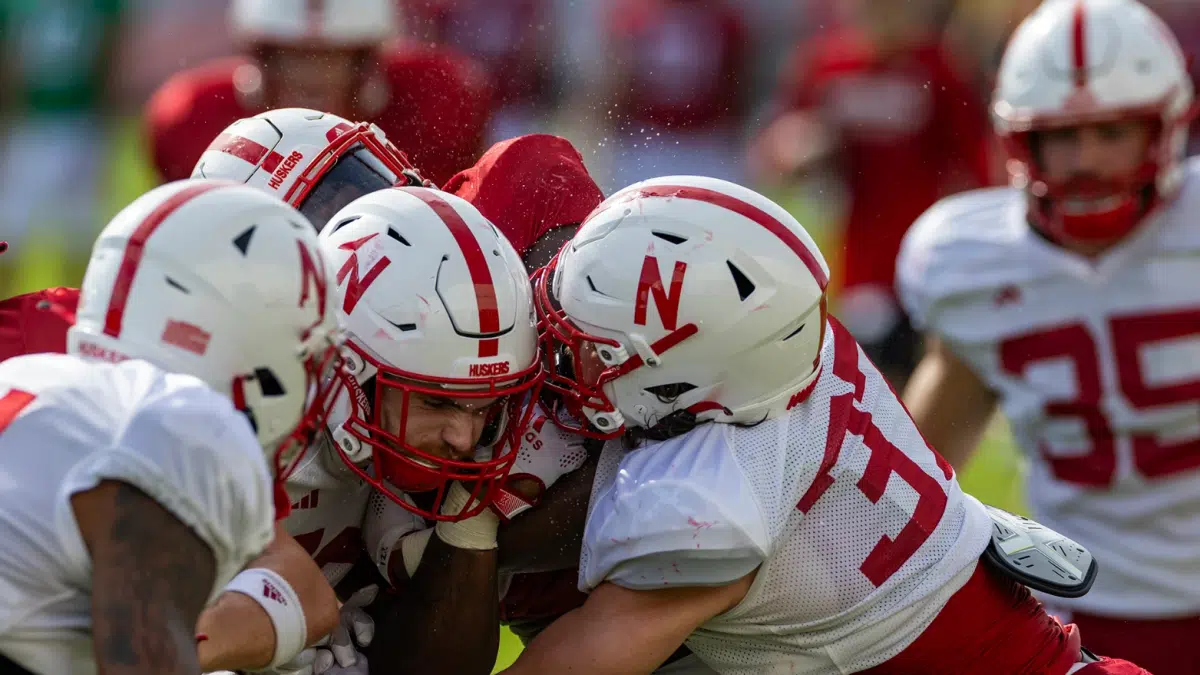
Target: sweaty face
x=308 y=78
x=1090 y=157
x=444 y=427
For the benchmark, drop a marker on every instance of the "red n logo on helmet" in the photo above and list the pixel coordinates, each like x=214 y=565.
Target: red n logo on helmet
x=312 y=278
x=667 y=302
x=354 y=287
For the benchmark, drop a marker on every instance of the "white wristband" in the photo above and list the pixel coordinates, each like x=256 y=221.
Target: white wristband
x=477 y=532
x=282 y=605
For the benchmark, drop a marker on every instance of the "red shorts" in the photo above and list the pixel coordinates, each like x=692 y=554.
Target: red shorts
x=991 y=626
x=1162 y=646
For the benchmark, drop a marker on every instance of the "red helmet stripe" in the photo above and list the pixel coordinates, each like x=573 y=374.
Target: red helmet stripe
x=747 y=210
x=246 y=150
x=136 y=246
x=1079 y=46
x=481 y=274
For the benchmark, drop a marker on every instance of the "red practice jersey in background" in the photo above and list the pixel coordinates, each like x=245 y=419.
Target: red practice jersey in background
x=37 y=322
x=684 y=63
x=438 y=107
x=908 y=130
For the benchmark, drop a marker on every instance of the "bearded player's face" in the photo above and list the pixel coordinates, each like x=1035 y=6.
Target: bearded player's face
x=312 y=78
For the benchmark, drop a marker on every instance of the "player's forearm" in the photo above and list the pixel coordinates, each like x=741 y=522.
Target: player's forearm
x=237 y=634
x=151 y=575
x=949 y=404
x=448 y=614
x=241 y=634
x=549 y=537
x=626 y=631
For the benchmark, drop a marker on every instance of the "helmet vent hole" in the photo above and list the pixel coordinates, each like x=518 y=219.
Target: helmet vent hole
x=177 y=286
x=669 y=393
x=793 y=333
x=268 y=383
x=744 y=286
x=242 y=241
x=342 y=223
x=667 y=236
x=397 y=236
x=592 y=285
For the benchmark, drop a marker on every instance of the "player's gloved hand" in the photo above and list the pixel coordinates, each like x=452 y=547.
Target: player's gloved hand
x=354 y=631
x=547 y=453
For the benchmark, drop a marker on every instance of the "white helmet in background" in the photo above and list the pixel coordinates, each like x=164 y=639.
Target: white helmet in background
x=1076 y=62
x=322 y=23
x=220 y=281
x=315 y=161
x=435 y=301
x=693 y=294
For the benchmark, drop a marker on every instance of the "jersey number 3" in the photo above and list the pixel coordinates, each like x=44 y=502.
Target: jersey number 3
x=12 y=404
x=888 y=555
x=1097 y=466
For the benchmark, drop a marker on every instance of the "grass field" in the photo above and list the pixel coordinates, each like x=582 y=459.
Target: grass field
x=993 y=476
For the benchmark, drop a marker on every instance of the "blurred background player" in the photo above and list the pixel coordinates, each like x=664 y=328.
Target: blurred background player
x=714 y=518
x=1068 y=300
x=57 y=72
x=313 y=160
x=159 y=449
x=677 y=85
x=515 y=42
x=880 y=101
x=338 y=56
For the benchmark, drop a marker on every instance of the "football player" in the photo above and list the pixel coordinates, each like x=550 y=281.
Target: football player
x=1068 y=299
x=772 y=503
x=879 y=103
x=331 y=55
x=333 y=161
x=441 y=372
x=143 y=468
x=536 y=191
x=316 y=161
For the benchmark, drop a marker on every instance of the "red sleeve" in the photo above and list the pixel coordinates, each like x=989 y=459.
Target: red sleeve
x=441 y=104
x=37 y=322
x=961 y=118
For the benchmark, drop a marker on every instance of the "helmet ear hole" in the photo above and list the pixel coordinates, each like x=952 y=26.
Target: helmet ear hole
x=668 y=393
x=268 y=383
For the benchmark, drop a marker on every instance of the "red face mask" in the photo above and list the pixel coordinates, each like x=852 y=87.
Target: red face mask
x=400 y=467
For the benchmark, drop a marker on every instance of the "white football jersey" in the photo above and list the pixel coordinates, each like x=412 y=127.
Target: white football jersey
x=1097 y=367
x=860 y=533
x=65 y=426
x=328 y=502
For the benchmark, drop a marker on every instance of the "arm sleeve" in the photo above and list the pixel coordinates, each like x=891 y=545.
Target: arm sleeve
x=190 y=451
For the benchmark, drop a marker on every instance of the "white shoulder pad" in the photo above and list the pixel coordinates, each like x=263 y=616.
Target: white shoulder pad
x=679 y=512
x=961 y=245
x=186 y=447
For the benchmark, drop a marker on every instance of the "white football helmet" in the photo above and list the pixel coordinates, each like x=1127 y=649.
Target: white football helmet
x=327 y=23
x=315 y=161
x=435 y=302
x=694 y=294
x=220 y=281
x=1074 y=62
